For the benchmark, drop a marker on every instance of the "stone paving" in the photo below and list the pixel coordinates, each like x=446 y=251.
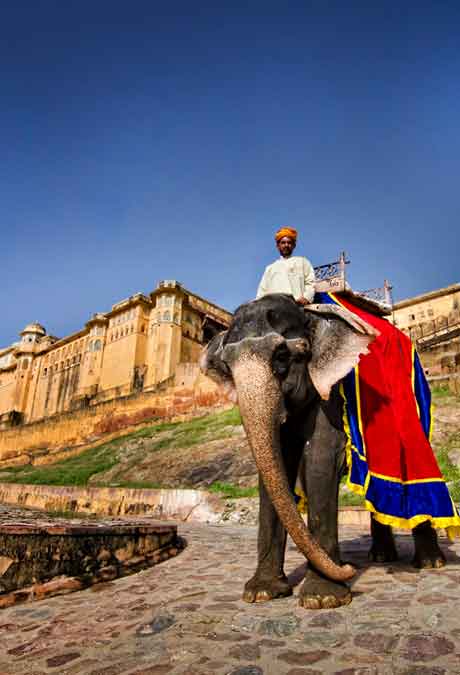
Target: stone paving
x=186 y=616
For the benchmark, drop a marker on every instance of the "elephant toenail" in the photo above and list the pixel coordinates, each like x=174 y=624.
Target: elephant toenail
x=311 y=602
x=263 y=596
x=329 y=602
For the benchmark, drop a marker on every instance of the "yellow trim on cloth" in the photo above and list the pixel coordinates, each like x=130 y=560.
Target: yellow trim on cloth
x=302 y=503
x=451 y=524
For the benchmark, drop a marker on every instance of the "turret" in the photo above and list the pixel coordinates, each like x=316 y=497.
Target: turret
x=32 y=333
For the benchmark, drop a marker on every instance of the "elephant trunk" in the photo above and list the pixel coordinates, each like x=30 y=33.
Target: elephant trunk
x=261 y=408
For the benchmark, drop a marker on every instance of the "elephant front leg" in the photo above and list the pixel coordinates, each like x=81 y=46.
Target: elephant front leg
x=269 y=581
x=324 y=462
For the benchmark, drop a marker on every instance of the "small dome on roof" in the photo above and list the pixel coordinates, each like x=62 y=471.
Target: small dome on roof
x=34 y=327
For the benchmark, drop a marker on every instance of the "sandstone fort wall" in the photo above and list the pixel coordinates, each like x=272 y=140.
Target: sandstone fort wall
x=70 y=433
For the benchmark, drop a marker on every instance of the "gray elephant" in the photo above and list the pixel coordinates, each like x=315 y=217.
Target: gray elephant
x=284 y=363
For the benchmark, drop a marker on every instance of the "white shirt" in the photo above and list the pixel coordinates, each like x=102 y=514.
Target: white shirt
x=294 y=276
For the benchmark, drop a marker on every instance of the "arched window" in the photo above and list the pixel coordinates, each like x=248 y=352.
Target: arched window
x=167 y=316
x=97 y=346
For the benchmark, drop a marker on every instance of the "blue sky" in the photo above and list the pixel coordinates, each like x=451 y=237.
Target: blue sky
x=146 y=140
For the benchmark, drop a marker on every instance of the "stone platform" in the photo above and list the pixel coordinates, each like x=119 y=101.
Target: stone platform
x=186 y=617
x=42 y=557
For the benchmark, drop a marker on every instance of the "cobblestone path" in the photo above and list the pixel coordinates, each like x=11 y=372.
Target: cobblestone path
x=185 y=616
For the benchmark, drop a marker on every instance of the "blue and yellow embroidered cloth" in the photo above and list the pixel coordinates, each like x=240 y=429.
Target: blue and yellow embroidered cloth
x=387 y=418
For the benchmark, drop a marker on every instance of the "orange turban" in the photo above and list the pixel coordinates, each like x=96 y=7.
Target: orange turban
x=286 y=232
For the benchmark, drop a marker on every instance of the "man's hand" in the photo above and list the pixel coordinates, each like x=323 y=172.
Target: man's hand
x=302 y=301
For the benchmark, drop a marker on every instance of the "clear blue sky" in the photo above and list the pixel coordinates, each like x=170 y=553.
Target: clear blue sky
x=147 y=140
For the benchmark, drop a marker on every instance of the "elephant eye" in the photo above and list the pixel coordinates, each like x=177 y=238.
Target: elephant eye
x=280 y=361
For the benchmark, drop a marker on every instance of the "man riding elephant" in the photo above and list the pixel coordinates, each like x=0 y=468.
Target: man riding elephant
x=293 y=275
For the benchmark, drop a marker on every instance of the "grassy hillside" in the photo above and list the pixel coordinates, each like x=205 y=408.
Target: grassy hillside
x=208 y=452
x=152 y=457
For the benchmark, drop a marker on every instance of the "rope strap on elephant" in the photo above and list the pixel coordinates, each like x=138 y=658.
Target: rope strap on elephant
x=388 y=420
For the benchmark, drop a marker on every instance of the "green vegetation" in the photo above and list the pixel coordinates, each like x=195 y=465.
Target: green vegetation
x=72 y=471
x=441 y=393
x=450 y=471
x=79 y=469
x=227 y=490
x=186 y=434
x=350 y=499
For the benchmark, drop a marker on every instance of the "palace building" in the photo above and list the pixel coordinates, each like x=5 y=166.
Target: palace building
x=141 y=344
x=432 y=321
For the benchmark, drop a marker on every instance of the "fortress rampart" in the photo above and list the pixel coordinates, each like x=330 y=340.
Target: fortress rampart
x=69 y=433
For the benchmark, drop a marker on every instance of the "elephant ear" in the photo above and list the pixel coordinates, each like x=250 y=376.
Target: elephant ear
x=338 y=338
x=213 y=366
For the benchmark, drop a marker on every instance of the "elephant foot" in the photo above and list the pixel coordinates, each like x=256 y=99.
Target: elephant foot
x=318 y=592
x=263 y=589
x=383 y=549
x=429 y=562
x=427 y=554
x=383 y=554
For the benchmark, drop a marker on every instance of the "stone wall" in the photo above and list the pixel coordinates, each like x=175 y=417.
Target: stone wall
x=69 y=433
x=450 y=381
x=163 y=504
x=42 y=557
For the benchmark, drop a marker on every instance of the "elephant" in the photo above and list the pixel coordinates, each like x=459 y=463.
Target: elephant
x=283 y=364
